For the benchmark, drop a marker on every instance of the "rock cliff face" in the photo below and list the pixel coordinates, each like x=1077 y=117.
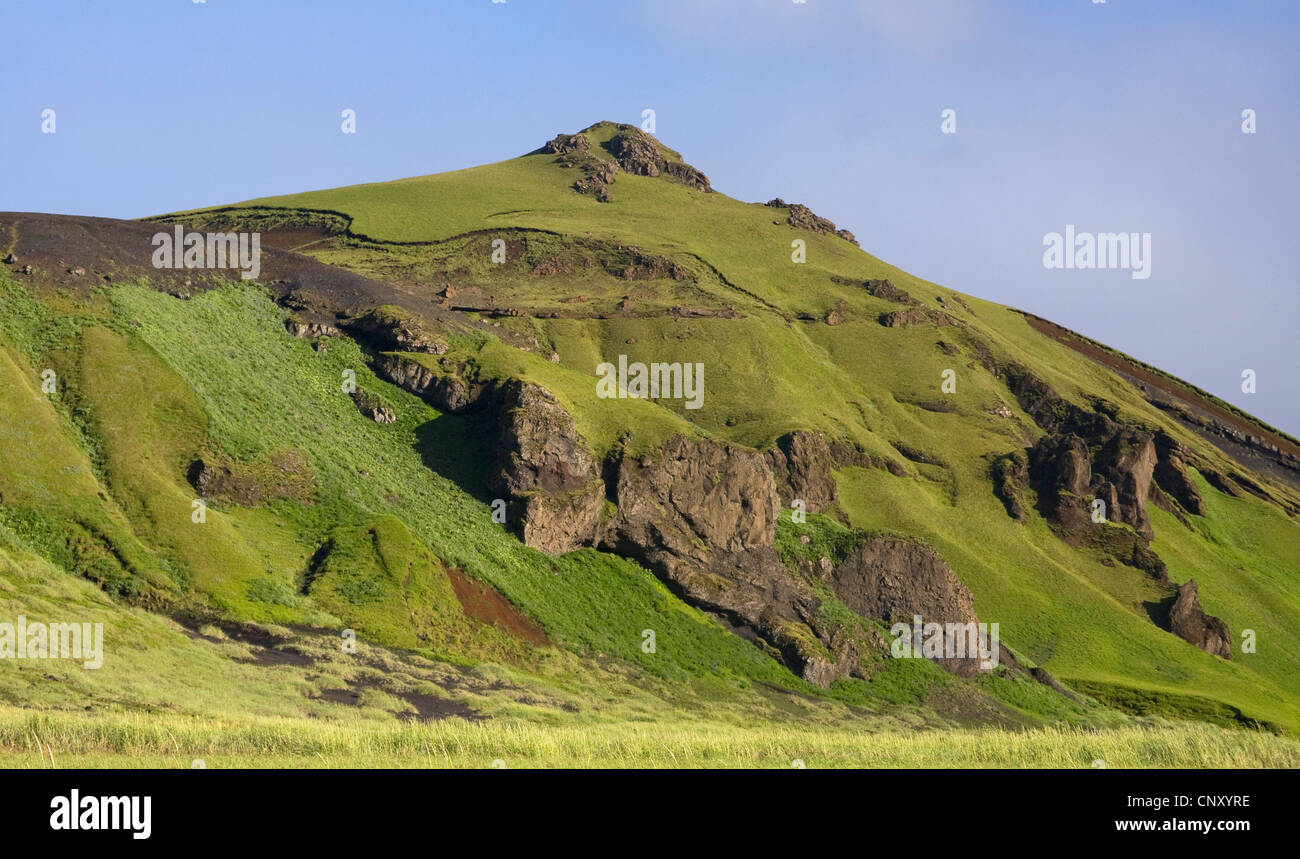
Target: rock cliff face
x=451 y=393
x=547 y=471
x=1171 y=474
x=1085 y=455
x=893 y=580
x=802 y=463
x=703 y=517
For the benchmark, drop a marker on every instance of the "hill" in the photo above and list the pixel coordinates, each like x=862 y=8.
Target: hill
x=834 y=447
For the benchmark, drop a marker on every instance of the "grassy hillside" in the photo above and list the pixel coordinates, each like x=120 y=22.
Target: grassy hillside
x=318 y=520
x=772 y=371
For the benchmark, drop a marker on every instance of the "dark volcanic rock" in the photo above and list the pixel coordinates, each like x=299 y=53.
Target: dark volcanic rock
x=1126 y=463
x=886 y=290
x=1010 y=478
x=1067 y=478
x=725 y=495
x=566 y=143
x=703 y=517
x=803 y=218
x=1120 y=459
x=389 y=331
x=546 y=470
x=450 y=393
x=1189 y=622
x=639 y=153
x=802 y=463
x=891 y=579
x=1171 y=474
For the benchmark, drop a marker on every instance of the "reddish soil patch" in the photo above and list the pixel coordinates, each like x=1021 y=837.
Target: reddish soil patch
x=485 y=605
x=1162 y=383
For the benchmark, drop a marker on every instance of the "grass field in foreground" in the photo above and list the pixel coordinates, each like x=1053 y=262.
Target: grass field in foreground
x=132 y=741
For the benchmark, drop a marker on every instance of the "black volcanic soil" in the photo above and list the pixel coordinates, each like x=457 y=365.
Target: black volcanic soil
x=114 y=250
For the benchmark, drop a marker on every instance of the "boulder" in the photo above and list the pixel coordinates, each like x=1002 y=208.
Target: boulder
x=1188 y=621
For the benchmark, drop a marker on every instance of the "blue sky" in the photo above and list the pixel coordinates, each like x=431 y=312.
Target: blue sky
x=1116 y=116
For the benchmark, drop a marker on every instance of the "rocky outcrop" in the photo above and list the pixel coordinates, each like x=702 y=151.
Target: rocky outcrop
x=724 y=495
x=1125 y=466
x=802 y=462
x=916 y=316
x=1189 y=622
x=886 y=290
x=640 y=154
x=308 y=330
x=563 y=144
x=1010 y=479
x=1091 y=453
x=630 y=150
x=546 y=471
x=1060 y=467
x=391 y=330
x=892 y=579
x=447 y=392
x=372 y=407
x=1067 y=479
x=1171 y=474
x=803 y=218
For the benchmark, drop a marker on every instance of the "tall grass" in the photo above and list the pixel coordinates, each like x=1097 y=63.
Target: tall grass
x=32 y=740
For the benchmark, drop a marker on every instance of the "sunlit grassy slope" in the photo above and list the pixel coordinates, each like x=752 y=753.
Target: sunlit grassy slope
x=96 y=516
x=771 y=371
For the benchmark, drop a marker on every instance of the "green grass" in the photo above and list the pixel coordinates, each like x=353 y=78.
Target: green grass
x=94 y=500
